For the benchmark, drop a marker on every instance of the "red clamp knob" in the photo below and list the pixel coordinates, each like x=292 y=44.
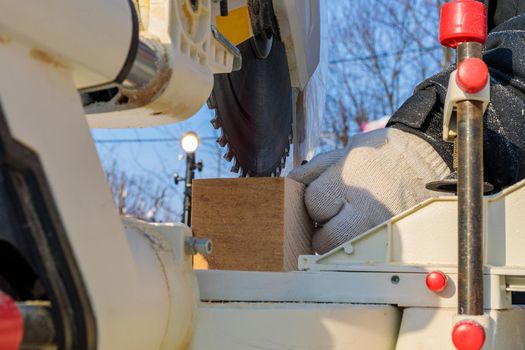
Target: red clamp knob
x=472 y=75
x=436 y=281
x=11 y=324
x=468 y=335
x=462 y=21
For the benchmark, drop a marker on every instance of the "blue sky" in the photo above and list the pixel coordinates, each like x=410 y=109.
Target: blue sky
x=155 y=155
x=158 y=148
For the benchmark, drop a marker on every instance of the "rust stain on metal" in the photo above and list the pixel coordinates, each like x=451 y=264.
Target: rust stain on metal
x=44 y=57
x=188 y=16
x=155 y=88
x=151 y=92
x=4 y=39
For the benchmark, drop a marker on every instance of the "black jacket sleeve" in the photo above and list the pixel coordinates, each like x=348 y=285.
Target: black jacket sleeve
x=504 y=120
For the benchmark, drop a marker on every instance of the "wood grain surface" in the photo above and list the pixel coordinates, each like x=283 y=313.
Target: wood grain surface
x=256 y=224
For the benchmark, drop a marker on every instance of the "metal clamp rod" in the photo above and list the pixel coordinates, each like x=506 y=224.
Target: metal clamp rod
x=39 y=329
x=470 y=196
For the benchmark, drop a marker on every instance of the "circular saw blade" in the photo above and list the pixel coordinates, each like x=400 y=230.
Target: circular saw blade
x=254 y=109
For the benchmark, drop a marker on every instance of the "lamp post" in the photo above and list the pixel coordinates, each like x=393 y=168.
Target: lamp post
x=189 y=143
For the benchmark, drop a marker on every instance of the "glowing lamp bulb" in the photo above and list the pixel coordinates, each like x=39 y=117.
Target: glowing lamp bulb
x=190 y=142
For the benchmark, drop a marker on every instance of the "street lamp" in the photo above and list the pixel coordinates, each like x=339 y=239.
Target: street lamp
x=189 y=143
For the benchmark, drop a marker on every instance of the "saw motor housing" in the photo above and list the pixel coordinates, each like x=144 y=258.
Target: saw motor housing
x=181 y=42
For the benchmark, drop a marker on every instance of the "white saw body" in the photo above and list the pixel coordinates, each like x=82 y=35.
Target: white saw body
x=369 y=293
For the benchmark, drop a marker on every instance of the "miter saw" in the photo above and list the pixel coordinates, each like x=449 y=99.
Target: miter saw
x=257 y=55
x=73 y=275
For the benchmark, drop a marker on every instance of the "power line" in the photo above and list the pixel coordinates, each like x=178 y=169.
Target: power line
x=383 y=55
x=335 y=61
x=148 y=140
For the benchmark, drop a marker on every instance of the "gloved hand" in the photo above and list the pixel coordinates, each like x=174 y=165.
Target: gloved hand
x=378 y=175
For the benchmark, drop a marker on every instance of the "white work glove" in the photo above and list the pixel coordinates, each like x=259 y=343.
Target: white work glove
x=378 y=175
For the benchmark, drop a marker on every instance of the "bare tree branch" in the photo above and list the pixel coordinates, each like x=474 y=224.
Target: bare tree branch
x=380 y=50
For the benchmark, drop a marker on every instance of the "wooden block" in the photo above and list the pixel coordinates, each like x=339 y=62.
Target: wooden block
x=255 y=224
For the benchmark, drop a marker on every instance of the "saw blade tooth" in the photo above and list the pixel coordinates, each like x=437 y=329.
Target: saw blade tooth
x=222 y=141
x=215 y=123
x=287 y=151
x=283 y=162
x=290 y=138
x=212 y=104
x=228 y=156
x=235 y=167
x=239 y=112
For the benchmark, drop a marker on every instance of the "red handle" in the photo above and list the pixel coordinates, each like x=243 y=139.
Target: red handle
x=468 y=335
x=472 y=75
x=462 y=21
x=11 y=324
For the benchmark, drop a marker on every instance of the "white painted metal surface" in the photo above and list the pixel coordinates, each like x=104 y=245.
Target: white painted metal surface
x=372 y=285
x=227 y=326
x=299 y=28
x=430 y=329
x=136 y=284
x=454 y=95
x=168 y=241
x=311 y=101
x=427 y=235
x=93 y=37
x=193 y=56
